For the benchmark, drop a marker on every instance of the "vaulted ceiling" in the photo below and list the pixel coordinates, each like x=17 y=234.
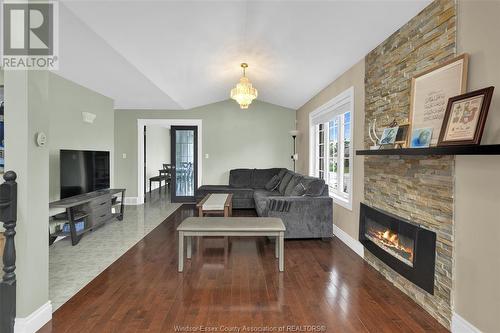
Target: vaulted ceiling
x=182 y=54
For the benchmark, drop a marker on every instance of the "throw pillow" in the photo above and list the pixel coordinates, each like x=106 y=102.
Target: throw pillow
x=284 y=182
x=292 y=183
x=273 y=183
x=298 y=191
x=315 y=188
x=282 y=173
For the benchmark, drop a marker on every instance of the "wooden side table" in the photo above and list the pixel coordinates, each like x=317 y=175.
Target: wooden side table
x=216 y=204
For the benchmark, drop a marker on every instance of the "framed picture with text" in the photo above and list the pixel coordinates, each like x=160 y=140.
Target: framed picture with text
x=465 y=118
x=430 y=92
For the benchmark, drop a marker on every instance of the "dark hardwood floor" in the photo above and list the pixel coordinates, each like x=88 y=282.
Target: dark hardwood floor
x=324 y=284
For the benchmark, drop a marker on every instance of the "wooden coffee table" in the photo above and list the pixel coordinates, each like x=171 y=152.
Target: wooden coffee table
x=216 y=203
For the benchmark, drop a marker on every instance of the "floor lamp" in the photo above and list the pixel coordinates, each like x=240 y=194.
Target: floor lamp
x=295 y=156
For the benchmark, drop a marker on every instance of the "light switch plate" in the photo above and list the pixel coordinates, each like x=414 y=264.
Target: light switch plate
x=124 y=155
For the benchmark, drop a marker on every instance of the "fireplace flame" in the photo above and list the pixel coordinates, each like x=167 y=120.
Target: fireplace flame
x=391 y=240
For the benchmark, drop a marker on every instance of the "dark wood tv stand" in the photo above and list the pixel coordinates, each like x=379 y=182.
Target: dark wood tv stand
x=94 y=207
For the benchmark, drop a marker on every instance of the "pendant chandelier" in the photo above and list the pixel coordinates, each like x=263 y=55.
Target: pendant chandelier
x=244 y=93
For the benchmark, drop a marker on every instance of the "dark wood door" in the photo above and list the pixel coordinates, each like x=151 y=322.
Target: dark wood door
x=184 y=157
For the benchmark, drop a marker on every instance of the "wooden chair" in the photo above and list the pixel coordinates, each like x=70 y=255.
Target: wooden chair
x=167 y=173
x=158 y=179
x=163 y=175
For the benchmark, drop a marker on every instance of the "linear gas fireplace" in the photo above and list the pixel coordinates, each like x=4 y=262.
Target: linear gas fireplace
x=407 y=248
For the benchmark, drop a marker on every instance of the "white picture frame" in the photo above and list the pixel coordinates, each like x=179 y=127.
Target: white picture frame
x=430 y=91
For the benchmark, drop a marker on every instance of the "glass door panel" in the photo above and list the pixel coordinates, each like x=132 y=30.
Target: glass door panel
x=184 y=159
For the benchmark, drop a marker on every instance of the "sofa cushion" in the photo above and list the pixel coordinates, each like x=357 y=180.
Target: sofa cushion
x=282 y=173
x=284 y=181
x=298 y=190
x=292 y=183
x=243 y=193
x=273 y=183
x=262 y=176
x=241 y=177
x=202 y=191
x=314 y=186
x=243 y=203
x=238 y=193
x=259 y=194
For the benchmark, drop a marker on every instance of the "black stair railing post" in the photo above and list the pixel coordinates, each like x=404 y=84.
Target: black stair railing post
x=8 y=215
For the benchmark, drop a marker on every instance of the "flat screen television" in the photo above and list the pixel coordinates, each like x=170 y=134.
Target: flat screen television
x=83 y=171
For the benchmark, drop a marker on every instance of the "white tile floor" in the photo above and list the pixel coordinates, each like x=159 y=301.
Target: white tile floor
x=72 y=267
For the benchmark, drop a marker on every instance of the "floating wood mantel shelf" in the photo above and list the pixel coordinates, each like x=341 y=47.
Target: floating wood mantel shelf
x=451 y=150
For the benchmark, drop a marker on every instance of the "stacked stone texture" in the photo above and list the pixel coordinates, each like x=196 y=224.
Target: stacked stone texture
x=419 y=189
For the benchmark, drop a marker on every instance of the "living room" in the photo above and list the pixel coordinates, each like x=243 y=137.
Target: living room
x=333 y=201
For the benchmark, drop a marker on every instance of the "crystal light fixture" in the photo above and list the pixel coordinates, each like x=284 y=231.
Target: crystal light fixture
x=244 y=93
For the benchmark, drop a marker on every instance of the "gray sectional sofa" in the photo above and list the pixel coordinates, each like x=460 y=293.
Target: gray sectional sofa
x=302 y=202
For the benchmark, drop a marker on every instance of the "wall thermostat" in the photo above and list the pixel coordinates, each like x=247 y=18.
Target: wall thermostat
x=41 y=139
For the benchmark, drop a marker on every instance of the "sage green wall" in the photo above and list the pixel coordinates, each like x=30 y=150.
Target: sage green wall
x=345 y=219
x=40 y=101
x=233 y=138
x=68 y=131
x=477 y=181
x=26 y=113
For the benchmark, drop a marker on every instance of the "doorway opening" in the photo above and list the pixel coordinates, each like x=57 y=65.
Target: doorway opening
x=185 y=158
x=157 y=166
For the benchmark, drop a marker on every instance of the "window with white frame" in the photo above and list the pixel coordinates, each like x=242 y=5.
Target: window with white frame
x=331 y=150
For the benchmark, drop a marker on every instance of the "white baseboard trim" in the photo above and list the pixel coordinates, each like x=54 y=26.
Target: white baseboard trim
x=35 y=320
x=355 y=245
x=460 y=325
x=133 y=201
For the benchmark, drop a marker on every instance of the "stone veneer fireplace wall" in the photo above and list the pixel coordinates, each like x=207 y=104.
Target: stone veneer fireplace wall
x=418 y=189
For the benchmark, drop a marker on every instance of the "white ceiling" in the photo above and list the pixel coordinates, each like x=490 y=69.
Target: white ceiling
x=183 y=54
